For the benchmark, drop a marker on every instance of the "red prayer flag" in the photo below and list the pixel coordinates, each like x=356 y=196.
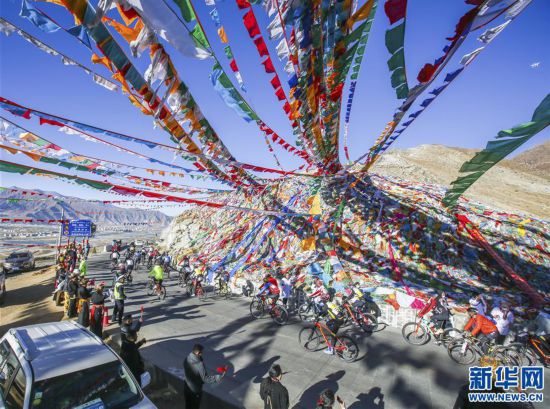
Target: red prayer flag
x=251 y=24
x=233 y=65
x=50 y=122
x=268 y=65
x=243 y=4
x=261 y=46
x=426 y=73
x=280 y=94
x=395 y=9
x=286 y=107
x=275 y=83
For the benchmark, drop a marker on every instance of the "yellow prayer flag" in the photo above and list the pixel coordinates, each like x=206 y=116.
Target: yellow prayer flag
x=222 y=35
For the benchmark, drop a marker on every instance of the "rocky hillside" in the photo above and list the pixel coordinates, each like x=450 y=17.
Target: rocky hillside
x=101 y=214
x=520 y=184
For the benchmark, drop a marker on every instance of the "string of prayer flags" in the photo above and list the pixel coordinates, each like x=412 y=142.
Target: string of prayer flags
x=395 y=40
x=506 y=142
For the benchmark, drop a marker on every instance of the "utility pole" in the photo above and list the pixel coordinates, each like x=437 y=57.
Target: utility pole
x=59 y=236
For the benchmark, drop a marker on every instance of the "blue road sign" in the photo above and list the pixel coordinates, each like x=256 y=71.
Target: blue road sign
x=77 y=228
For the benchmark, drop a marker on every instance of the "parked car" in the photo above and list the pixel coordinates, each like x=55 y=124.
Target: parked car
x=63 y=365
x=19 y=261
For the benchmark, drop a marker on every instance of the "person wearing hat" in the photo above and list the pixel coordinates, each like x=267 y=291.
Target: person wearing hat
x=96 y=313
x=129 y=325
x=129 y=352
x=272 y=391
x=72 y=290
x=482 y=326
x=84 y=295
x=119 y=296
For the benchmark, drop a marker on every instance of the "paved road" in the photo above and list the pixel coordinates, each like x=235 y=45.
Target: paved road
x=389 y=374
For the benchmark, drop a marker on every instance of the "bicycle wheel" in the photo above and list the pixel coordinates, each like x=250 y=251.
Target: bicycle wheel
x=462 y=352
x=346 y=348
x=415 y=334
x=256 y=308
x=150 y=288
x=279 y=314
x=203 y=294
x=309 y=338
x=367 y=321
x=450 y=335
x=506 y=356
x=162 y=292
x=305 y=312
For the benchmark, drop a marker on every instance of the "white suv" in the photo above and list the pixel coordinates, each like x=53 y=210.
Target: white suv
x=62 y=365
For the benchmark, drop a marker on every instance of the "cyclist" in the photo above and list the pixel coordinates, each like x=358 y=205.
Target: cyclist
x=335 y=319
x=222 y=277
x=270 y=288
x=478 y=302
x=441 y=313
x=197 y=278
x=319 y=294
x=166 y=260
x=157 y=273
x=539 y=324
x=481 y=324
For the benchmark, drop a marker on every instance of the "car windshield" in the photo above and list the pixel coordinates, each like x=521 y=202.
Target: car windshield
x=108 y=386
x=15 y=256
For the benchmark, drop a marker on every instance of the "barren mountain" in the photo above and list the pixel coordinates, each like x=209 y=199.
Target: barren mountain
x=99 y=213
x=518 y=184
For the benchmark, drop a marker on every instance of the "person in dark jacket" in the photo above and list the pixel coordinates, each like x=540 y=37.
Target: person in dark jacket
x=441 y=313
x=72 y=289
x=195 y=378
x=96 y=314
x=84 y=295
x=129 y=352
x=129 y=325
x=272 y=392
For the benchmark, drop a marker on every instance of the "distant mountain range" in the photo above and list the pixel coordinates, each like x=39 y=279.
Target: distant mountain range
x=99 y=213
x=521 y=183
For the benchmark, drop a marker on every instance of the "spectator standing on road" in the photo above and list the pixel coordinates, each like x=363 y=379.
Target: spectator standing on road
x=286 y=287
x=272 y=391
x=83 y=267
x=195 y=377
x=327 y=399
x=119 y=296
x=96 y=314
x=129 y=325
x=84 y=295
x=129 y=352
x=72 y=290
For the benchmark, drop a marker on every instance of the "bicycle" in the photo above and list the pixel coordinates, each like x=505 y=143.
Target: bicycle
x=194 y=286
x=529 y=351
x=311 y=337
x=366 y=321
x=465 y=350
x=308 y=311
x=152 y=289
x=420 y=332
x=258 y=307
x=222 y=289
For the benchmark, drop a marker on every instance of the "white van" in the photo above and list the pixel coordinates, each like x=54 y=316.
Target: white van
x=62 y=365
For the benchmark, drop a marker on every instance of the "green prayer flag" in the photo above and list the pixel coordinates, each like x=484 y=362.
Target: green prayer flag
x=498 y=149
x=402 y=91
x=228 y=52
x=397 y=60
x=395 y=38
x=199 y=37
x=398 y=77
x=186 y=10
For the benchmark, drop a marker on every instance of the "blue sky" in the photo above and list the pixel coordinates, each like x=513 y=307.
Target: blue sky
x=497 y=91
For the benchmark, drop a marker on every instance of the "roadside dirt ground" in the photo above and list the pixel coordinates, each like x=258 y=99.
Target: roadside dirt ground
x=29 y=299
